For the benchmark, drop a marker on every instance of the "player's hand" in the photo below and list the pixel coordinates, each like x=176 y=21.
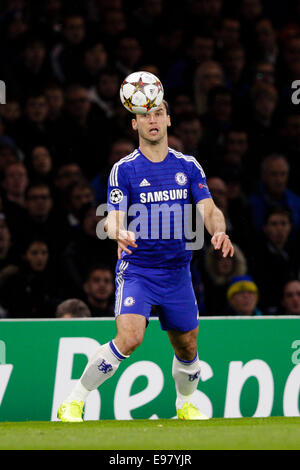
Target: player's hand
x=221 y=241
x=125 y=238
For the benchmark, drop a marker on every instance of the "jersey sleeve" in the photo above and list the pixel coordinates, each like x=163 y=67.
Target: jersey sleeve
x=199 y=186
x=117 y=189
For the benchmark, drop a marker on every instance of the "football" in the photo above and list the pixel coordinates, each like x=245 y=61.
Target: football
x=141 y=92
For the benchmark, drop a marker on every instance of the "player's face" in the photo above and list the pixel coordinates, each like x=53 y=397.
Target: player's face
x=152 y=127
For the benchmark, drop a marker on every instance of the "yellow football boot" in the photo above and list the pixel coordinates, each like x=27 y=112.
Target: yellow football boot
x=189 y=411
x=71 y=412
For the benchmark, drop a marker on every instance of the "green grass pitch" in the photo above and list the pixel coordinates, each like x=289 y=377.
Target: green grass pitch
x=272 y=433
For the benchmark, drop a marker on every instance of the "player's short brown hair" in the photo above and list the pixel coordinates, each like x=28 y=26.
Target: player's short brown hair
x=166 y=105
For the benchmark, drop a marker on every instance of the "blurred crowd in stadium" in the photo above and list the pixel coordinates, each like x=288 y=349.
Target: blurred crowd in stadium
x=227 y=68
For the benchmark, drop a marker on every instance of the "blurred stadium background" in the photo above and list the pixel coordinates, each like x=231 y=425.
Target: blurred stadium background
x=228 y=69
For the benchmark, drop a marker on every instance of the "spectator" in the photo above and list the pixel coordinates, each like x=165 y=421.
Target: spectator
x=67 y=173
x=261 y=120
x=188 y=128
x=83 y=251
x=236 y=146
x=175 y=143
x=169 y=44
x=274 y=253
x=50 y=20
x=38 y=202
x=106 y=91
x=94 y=60
x=40 y=165
x=179 y=76
x=8 y=155
x=232 y=158
x=128 y=55
x=77 y=195
x=113 y=24
x=291 y=54
x=11 y=112
x=8 y=259
x=207 y=76
x=214 y=277
x=291 y=298
x=234 y=62
x=42 y=221
x=182 y=104
x=242 y=296
x=264 y=71
x=33 y=65
x=266 y=43
x=228 y=34
x=219 y=115
x=72 y=308
x=205 y=15
x=251 y=10
x=55 y=97
x=31 y=292
x=33 y=127
x=65 y=55
x=238 y=223
x=290 y=145
x=119 y=149
x=99 y=289
x=15 y=183
x=86 y=131
x=146 y=15
x=273 y=191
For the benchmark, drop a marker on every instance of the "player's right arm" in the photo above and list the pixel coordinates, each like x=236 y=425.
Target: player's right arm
x=118 y=196
x=114 y=226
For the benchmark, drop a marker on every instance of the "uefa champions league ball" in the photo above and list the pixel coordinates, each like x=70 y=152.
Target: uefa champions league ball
x=141 y=92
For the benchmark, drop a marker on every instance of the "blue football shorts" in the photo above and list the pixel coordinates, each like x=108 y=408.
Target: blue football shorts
x=139 y=289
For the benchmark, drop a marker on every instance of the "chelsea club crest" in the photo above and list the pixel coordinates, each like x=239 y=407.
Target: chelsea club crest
x=180 y=179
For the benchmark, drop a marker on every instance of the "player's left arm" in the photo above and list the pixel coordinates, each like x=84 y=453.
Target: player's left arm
x=214 y=222
x=213 y=217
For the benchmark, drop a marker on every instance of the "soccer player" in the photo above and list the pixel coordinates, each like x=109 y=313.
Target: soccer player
x=153 y=271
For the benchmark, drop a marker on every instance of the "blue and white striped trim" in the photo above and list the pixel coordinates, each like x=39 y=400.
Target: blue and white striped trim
x=120 y=285
x=113 y=178
x=188 y=158
x=187 y=362
x=116 y=352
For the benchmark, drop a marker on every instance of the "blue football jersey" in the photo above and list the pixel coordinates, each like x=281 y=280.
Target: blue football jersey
x=157 y=198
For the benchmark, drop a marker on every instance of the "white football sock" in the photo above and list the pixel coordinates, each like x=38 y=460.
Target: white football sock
x=79 y=393
x=186 y=375
x=102 y=365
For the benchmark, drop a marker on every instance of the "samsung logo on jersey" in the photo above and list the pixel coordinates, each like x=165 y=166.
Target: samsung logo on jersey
x=166 y=195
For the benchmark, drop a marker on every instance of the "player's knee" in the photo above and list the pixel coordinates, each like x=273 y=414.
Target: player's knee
x=186 y=351
x=129 y=343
